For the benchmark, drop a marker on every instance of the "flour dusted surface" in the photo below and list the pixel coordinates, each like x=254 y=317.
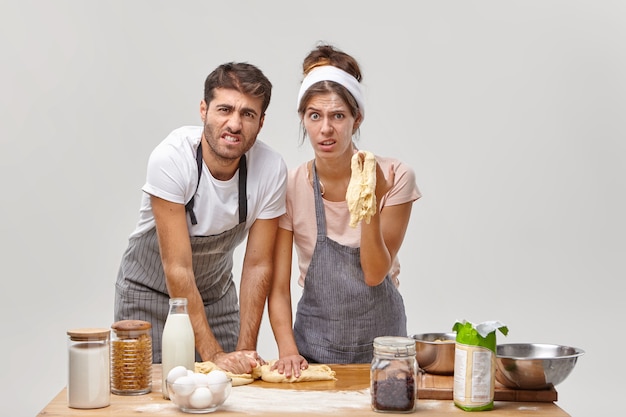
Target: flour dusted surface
x=255 y=400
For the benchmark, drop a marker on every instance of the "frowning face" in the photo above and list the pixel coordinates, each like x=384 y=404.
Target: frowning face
x=232 y=121
x=329 y=125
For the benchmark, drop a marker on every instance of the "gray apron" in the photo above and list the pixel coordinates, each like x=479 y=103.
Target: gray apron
x=141 y=293
x=339 y=315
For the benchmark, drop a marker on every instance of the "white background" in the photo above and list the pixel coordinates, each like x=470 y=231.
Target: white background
x=511 y=113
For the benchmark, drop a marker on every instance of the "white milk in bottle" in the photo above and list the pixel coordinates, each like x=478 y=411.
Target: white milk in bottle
x=178 y=342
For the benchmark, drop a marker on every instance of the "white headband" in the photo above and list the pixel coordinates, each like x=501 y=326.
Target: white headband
x=330 y=73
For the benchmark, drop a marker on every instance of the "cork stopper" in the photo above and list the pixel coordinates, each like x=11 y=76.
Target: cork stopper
x=129 y=325
x=131 y=328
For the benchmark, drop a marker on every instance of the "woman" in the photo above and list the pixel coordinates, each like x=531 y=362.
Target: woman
x=349 y=296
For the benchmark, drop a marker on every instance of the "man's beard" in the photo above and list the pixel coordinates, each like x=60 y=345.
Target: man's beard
x=215 y=150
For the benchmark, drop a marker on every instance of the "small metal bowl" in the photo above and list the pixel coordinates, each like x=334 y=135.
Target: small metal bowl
x=534 y=365
x=435 y=352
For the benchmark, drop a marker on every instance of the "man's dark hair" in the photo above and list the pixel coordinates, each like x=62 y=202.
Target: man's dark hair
x=241 y=76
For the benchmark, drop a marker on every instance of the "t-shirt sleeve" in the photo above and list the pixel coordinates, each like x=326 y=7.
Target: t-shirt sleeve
x=286 y=220
x=276 y=192
x=405 y=188
x=167 y=175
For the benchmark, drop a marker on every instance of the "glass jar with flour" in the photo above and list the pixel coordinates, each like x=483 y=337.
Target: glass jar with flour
x=88 y=384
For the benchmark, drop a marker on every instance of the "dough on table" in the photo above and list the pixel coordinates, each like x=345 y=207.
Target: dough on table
x=237 y=379
x=315 y=372
x=361 y=193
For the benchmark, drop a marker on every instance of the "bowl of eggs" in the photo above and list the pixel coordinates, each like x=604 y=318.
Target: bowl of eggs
x=196 y=392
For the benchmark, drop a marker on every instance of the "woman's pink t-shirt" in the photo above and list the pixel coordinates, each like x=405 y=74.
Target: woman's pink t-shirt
x=300 y=215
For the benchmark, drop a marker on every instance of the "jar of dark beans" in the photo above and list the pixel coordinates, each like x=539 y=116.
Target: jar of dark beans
x=393 y=375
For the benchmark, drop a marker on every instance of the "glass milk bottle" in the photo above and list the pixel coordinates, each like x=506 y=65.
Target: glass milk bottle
x=88 y=383
x=178 y=341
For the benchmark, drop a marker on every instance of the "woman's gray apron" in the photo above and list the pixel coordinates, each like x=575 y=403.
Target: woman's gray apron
x=339 y=315
x=141 y=293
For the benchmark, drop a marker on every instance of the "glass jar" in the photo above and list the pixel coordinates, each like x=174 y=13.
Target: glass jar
x=131 y=357
x=393 y=375
x=88 y=383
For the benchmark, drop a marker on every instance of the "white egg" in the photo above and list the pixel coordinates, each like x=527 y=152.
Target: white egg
x=175 y=373
x=184 y=385
x=201 y=398
x=219 y=394
x=201 y=380
x=216 y=376
x=218 y=384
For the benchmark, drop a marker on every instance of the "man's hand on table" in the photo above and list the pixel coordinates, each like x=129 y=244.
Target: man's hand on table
x=239 y=362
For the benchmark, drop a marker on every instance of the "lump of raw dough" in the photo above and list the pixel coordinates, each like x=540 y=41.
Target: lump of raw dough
x=361 y=193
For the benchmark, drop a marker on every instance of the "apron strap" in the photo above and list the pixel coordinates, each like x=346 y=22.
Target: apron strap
x=243 y=193
x=189 y=205
x=320 y=214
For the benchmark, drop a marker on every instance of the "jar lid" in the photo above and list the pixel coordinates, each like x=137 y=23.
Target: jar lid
x=395 y=345
x=130 y=325
x=89 y=333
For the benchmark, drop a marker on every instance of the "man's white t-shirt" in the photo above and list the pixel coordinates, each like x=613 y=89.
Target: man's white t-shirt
x=172 y=175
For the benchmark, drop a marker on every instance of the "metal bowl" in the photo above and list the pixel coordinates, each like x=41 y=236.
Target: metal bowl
x=435 y=352
x=534 y=365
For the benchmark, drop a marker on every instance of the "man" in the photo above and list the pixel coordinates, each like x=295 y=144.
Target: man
x=207 y=189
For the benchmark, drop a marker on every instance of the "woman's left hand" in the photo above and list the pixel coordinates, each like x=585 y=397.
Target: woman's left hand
x=384 y=184
x=290 y=365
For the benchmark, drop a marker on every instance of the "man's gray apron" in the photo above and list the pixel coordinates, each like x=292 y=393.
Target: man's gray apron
x=141 y=293
x=339 y=315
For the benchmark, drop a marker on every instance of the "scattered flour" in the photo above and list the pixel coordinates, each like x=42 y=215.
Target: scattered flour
x=154 y=408
x=256 y=400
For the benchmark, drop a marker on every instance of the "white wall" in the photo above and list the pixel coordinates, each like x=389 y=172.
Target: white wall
x=510 y=112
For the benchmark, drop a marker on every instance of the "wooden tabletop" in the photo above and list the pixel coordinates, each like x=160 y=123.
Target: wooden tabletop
x=348 y=395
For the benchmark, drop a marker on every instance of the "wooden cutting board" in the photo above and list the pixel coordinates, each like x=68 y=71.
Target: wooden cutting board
x=429 y=387
x=439 y=387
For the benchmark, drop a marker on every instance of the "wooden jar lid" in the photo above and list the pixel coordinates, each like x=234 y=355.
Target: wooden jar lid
x=89 y=333
x=131 y=325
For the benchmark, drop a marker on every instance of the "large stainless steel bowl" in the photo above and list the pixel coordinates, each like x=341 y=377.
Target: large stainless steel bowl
x=435 y=352
x=534 y=365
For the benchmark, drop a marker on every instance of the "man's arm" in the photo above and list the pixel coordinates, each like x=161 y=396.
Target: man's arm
x=256 y=278
x=175 y=247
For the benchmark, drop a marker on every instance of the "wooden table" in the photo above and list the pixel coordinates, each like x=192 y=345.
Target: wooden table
x=348 y=395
